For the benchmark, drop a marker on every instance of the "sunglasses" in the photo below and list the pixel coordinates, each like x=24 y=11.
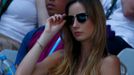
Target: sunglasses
x=81 y=18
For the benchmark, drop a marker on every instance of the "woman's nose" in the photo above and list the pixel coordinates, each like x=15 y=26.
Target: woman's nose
x=75 y=24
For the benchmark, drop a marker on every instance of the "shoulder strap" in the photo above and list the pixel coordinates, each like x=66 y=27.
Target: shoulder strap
x=4 y=5
x=55 y=46
x=110 y=10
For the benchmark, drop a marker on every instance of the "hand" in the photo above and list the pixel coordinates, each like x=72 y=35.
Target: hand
x=54 y=23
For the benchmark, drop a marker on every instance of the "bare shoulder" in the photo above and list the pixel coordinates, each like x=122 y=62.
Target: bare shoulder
x=110 y=65
x=112 y=59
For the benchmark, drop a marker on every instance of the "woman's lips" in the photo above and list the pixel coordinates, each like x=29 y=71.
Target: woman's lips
x=50 y=6
x=77 y=33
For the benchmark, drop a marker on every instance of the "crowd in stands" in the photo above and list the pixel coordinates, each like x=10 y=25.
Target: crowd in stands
x=18 y=19
x=23 y=25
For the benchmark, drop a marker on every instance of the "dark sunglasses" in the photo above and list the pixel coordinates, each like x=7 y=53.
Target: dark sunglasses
x=81 y=18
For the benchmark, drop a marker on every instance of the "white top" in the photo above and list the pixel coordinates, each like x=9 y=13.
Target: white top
x=20 y=18
x=122 y=26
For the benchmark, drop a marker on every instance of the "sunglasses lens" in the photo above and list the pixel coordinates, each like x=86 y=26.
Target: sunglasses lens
x=69 y=20
x=82 y=17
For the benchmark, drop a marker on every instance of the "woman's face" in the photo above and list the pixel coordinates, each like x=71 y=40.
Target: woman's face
x=81 y=27
x=55 y=6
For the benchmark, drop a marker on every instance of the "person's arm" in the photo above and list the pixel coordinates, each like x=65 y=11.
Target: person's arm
x=110 y=66
x=128 y=8
x=23 y=47
x=41 y=12
x=48 y=63
x=29 y=64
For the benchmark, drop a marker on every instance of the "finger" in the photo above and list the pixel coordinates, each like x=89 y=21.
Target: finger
x=63 y=15
x=58 y=17
x=53 y=19
x=61 y=18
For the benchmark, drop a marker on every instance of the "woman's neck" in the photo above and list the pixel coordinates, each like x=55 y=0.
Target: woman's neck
x=85 y=50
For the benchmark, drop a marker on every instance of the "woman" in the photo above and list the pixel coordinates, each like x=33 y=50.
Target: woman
x=84 y=44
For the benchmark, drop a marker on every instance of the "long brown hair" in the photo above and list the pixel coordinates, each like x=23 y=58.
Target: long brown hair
x=72 y=47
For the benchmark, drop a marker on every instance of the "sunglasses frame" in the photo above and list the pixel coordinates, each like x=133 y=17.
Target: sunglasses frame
x=81 y=18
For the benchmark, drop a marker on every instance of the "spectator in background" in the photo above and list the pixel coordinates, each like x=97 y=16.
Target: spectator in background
x=53 y=6
x=121 y=25
x=84 y=44
x=19 y=18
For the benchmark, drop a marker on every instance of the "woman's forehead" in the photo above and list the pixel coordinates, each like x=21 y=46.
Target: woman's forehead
x=76 y=8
